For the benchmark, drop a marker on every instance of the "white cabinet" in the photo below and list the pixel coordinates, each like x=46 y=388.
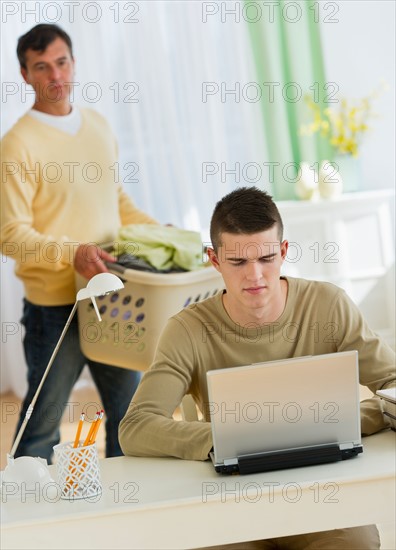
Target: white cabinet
x=347 y=241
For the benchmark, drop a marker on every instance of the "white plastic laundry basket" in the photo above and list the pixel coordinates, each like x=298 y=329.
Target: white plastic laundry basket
x=133 y=318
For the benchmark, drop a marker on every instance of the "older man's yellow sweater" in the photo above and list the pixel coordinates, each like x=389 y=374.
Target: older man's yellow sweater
x=59 y=191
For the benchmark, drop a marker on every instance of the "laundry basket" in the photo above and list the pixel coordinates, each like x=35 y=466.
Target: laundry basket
x=133 y=318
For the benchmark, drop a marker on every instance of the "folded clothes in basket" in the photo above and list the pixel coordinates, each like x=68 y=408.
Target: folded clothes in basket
x=130 y=261
x=163 y=247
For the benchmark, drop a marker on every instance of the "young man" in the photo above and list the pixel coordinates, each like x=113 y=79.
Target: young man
x=245 y=324
x=59 y=200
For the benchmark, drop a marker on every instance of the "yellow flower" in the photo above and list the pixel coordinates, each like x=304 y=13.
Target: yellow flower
x=343 y=127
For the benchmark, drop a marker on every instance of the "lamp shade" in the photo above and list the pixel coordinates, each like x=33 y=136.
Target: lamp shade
x=99 y=285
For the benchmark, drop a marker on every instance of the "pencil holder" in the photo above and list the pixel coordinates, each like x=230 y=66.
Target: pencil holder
x=78 y=471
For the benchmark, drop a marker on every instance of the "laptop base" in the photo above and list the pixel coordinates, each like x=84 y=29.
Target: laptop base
x=293 y=458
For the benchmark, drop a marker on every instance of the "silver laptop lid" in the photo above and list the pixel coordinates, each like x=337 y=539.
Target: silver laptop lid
x=291 y=403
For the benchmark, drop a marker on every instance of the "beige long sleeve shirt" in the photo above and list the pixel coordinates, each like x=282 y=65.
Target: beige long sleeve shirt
x=318 y=319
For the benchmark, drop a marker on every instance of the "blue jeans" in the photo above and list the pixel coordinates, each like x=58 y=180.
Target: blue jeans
x=116 y=386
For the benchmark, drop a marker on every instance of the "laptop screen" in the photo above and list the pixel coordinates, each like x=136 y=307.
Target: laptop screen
x=286 y=404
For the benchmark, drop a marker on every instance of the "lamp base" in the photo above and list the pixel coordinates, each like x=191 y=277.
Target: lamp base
x=26 y=476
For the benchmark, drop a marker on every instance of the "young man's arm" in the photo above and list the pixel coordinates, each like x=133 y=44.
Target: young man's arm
x=148 y=428
x=376 y=361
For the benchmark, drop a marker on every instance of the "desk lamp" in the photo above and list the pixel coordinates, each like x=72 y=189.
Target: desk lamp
x=26 y=469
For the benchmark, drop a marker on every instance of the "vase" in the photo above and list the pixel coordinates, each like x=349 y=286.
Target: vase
x=330 y=180
x=307 y=184
x=350 y=171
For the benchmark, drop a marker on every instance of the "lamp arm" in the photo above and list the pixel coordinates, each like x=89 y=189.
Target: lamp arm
x=49 y=365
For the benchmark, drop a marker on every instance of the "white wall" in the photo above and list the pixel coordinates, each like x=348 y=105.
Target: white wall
x=359 y=53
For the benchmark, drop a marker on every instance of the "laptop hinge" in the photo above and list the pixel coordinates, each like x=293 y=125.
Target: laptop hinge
x=344 y=446
x=230 y=461
x=292 y=458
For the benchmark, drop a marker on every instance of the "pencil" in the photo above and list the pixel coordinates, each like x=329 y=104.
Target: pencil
x=96 y=428
x=91 y=430
x=79 y=428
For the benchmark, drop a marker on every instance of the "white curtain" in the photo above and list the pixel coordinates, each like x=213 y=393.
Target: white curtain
x=146 y=67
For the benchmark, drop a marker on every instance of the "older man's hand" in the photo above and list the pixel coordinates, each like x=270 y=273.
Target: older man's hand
x=89 y=260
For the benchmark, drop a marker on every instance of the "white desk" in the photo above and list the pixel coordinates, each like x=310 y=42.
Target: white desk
x=183 y=504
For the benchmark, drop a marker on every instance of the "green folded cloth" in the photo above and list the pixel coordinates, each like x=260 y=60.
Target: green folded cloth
x=161 y=246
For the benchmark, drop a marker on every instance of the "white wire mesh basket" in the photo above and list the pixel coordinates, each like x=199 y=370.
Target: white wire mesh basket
x=78 y=471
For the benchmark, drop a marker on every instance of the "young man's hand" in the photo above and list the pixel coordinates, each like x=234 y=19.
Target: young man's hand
x=89 y=260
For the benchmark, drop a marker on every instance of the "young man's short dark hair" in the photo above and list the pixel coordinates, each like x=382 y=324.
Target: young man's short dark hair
x=245 y=211
x=38 y=38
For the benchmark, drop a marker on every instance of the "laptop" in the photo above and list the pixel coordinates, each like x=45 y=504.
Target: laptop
x=284 y=414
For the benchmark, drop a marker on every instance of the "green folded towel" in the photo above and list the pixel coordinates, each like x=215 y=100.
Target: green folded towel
x=161 y=246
